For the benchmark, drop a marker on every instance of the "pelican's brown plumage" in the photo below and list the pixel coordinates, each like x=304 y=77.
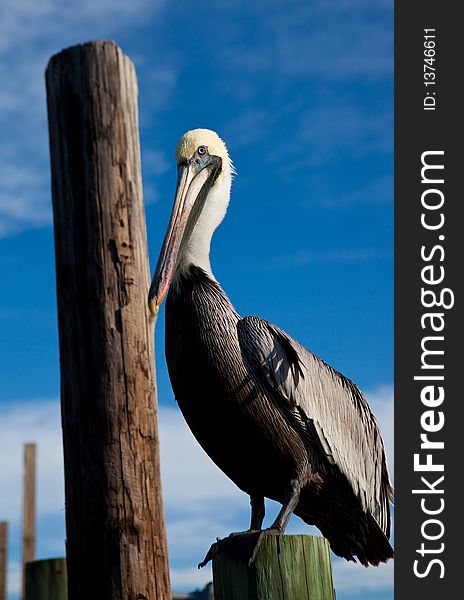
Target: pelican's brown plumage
x=280 y=422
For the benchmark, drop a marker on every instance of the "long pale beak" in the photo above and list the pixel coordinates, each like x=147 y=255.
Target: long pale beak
x=191 y=180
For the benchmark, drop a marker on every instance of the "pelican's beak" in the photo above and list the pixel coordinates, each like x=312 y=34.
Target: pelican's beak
x=194 y=181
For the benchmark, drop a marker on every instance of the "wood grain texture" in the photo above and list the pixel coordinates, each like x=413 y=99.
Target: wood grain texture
x=3 y=558
x=46 y=580
x=29 y=506
x=116 y=541
x=287 y=567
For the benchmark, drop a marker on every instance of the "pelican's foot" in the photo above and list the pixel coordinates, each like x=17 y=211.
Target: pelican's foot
x=242 y=545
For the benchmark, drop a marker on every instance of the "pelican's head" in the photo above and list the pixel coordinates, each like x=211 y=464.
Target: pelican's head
x=191 y=141
x=204 y=177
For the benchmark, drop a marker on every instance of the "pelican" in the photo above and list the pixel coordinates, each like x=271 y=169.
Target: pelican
x=275 y=418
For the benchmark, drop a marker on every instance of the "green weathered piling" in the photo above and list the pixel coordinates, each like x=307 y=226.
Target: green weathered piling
x=46 y=580
x=287 y=567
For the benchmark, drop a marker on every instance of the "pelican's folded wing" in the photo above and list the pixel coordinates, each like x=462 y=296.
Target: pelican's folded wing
x=324 y=406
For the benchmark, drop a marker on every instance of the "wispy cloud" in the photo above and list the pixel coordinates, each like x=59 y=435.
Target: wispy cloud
x=249 y=126
x=377 y=192
x=275 y=60
x=24 y=196
x=307 y=69
x=30 y=32
x=305 y=257
x=287 y=38
x=156 y=163
x=344 y=128
x=26 y=21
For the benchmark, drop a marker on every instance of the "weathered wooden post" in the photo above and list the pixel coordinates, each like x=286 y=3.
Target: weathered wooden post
x=116 y=542
x=29 y=510
x=286 y=567
x=3 y=558
x=46 y=580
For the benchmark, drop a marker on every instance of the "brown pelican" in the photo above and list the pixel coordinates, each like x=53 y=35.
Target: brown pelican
x=276 y=419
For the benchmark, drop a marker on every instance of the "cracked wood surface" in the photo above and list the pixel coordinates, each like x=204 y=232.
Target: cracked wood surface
x=116 y=541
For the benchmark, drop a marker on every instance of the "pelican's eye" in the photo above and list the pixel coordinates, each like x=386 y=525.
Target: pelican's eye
x=202 y=150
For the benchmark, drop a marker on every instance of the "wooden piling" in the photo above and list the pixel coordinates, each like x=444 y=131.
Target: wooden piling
x=29 y=508
x=286 y=567
x=3 y=558
x=46 y=580
x=116 y=541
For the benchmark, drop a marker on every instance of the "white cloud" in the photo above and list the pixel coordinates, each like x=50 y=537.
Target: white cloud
x=35 y=421
x=191 y=578
x=188 y=471
x=14 y=579
x=356 y=579
x=200 y=502
x=24 y=197
x=381 y=401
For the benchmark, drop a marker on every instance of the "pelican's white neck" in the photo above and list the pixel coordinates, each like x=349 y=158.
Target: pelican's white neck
x=196 y=251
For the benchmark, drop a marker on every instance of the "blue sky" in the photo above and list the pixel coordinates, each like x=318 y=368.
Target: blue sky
x=302 y=92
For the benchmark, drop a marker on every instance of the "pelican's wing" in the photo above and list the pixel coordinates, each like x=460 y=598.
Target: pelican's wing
x=324 y=406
